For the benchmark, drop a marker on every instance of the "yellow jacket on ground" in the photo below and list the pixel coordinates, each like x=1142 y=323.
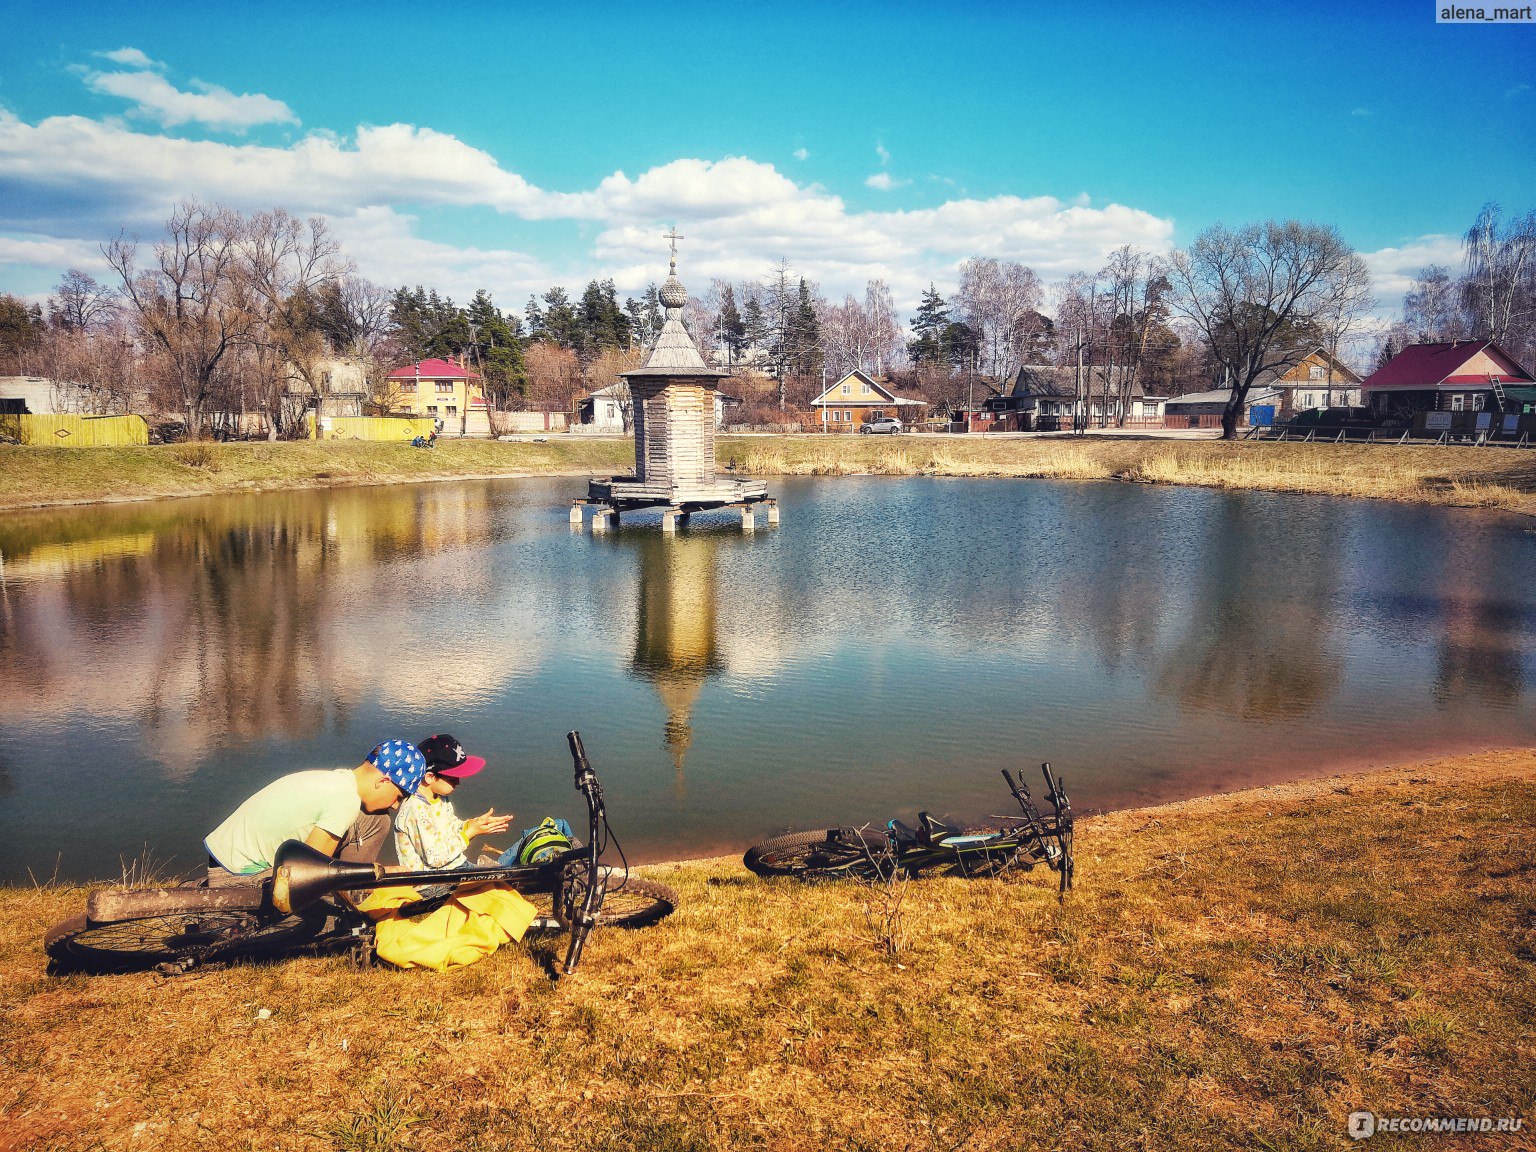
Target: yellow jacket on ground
x=469 y=927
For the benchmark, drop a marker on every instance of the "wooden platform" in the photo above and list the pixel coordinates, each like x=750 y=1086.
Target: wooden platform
x=625 y=492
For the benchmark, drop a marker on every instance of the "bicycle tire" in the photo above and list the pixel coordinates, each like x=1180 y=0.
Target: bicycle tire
x=828 y=853
x=184 y=938
x=628 y=902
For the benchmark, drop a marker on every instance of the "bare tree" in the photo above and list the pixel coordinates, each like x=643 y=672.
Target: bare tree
x=1499 y=284
x=554 y=376
x=1257 y=295
x=1077 y=326
x=1432 y=308
x=80 y=302
x=289 y=262
x=91 y=370
x=193 y=304
x=884 y=332
x=996 y=299
x=1342 y=312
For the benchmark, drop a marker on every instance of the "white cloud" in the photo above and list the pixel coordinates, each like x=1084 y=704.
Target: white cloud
x=1361 y=112
x=74 y=177
x=1393 y=269
x=883 y=182
x=802 y=154
x=156 y=98
x=131 y=57
x=53 y=254
x=880 y=151
x=387 y=251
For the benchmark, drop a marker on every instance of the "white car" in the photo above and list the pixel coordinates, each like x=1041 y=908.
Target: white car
x=885 y=425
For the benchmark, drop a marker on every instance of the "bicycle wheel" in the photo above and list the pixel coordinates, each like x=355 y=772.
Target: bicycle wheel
x=832 y=852
x=628 y=901
x=631 y=902
x=184 y=938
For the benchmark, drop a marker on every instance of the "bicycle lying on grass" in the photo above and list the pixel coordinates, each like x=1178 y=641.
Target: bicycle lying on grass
x=299 y=909
x=932 y=845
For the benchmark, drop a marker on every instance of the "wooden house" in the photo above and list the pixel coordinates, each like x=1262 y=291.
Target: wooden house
x=1318 y=380
x=858 y=398
x=1461 y=376
x=1055 y=398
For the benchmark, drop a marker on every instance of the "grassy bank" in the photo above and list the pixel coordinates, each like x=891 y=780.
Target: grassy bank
x=1466 y=477
x=34 y=476
x=1236 y=972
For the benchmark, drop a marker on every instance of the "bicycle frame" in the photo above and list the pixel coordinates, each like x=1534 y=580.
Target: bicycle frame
x=1041 y=838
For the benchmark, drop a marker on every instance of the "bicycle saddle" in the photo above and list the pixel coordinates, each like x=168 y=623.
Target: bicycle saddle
x=929 y=834
x=905 y=836
x=934 y=831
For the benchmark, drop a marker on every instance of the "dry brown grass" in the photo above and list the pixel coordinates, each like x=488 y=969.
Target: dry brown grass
x=1465 y=477
x=38 y=476
x=1235 y=972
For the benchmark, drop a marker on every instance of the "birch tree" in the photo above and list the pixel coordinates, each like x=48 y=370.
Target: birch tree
x=1499 y=284
x=997 y=300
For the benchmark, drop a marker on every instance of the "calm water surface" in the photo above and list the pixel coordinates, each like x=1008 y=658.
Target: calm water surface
x=889 y=647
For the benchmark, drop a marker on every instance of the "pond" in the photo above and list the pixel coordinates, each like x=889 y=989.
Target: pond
x=890 y=646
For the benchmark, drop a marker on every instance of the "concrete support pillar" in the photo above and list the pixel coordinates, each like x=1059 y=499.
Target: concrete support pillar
x=600 y=521
x=773 y=513
x=748 y=521
x=669 y=522
x=576 y=515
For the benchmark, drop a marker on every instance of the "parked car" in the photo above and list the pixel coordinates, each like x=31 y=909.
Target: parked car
x=885 y=425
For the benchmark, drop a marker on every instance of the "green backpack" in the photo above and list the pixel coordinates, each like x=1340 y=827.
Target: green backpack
x=547 y=840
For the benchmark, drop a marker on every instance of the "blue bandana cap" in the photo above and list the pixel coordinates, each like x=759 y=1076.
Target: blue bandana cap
x=402 y=764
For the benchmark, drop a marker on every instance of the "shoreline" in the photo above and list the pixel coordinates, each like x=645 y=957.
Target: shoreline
x=1490 y=478
x=1486 y=763
x=1234 y=971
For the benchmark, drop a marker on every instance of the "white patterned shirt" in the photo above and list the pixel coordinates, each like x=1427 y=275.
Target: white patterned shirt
x=428 y=834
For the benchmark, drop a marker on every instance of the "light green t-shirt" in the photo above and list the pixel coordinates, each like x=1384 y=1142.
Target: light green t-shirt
x=286 y=809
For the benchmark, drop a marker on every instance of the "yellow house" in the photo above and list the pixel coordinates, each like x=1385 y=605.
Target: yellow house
x=857 y=398
x=443 y=390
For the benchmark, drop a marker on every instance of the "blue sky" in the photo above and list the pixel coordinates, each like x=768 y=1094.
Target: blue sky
x=512 y=146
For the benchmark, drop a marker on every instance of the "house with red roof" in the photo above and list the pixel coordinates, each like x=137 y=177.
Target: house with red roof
x=446 y=390
x=1461 y=376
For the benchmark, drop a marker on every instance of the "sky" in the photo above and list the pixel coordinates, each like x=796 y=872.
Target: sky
x=512 y=147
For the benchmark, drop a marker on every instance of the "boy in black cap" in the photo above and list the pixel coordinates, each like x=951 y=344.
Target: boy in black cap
x=428 y=834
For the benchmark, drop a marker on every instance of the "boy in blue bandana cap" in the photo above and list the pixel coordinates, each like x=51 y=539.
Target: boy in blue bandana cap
x=343 y=812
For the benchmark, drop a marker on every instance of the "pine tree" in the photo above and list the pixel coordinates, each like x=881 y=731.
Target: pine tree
x=754 y=323
x=533 y=316
x=561 y=324
x=807 y=333
x=497 y=352
x=732 y=327
x=602 y=324
x=427 y=324
x=929 y=324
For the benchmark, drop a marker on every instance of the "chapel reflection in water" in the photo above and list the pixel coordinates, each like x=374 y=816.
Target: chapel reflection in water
x=676 y=636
